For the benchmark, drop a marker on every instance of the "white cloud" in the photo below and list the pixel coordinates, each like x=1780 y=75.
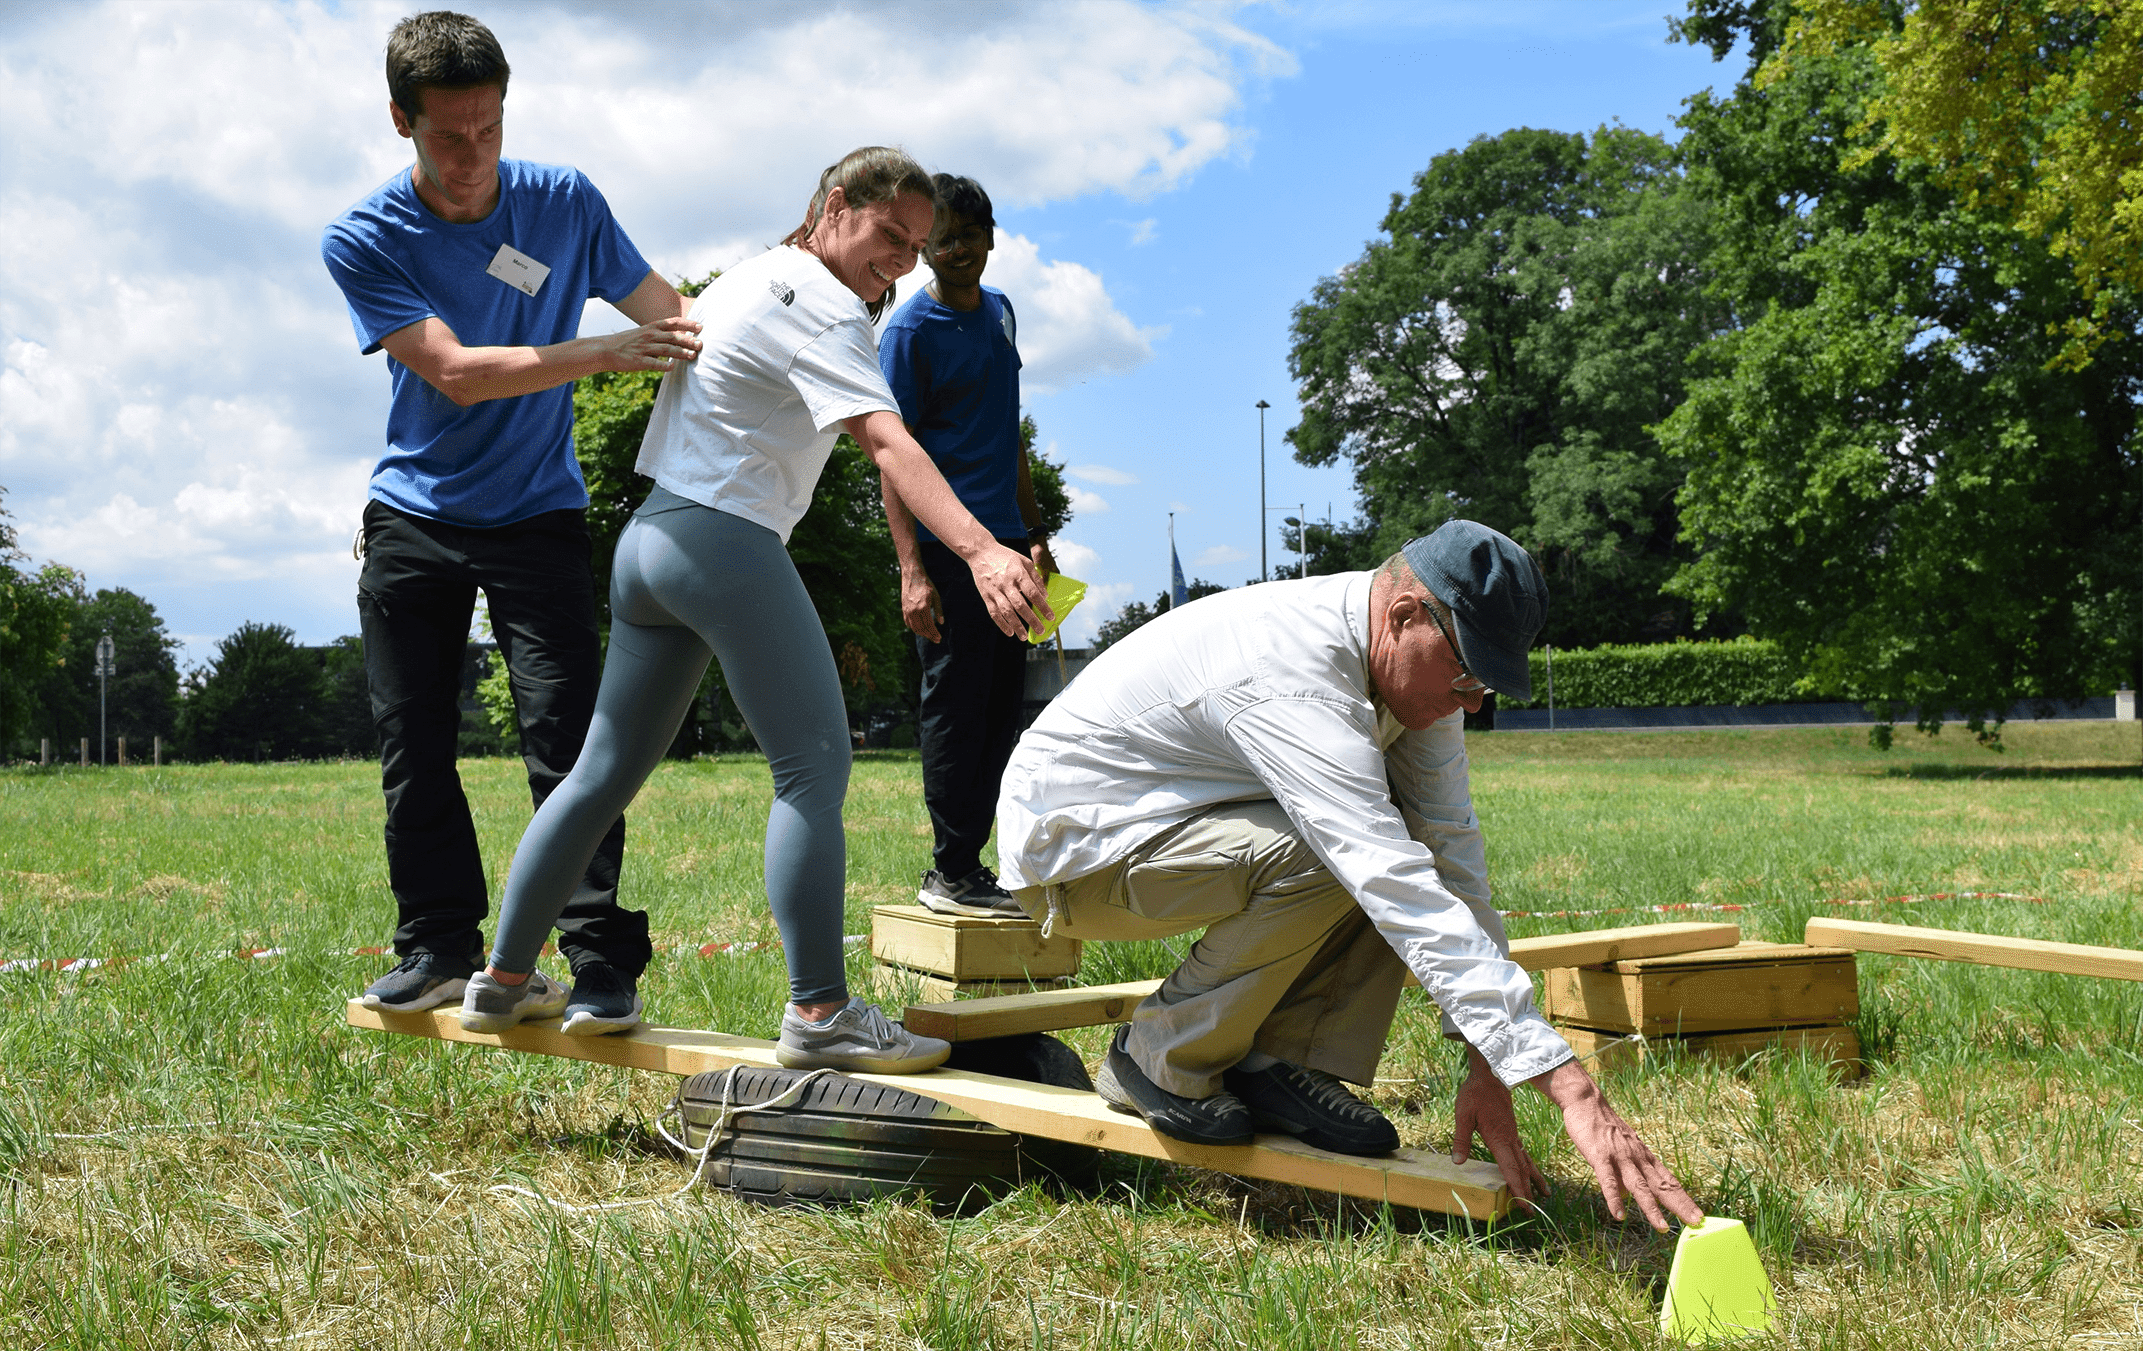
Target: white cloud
x=1101 y=473
x=1069 y=328
x=181 y=404
x=1084 y=502
x=1143 y=231
x=1219 y=553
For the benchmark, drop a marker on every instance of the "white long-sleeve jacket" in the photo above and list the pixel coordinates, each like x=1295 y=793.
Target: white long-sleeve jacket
x=1260 y=693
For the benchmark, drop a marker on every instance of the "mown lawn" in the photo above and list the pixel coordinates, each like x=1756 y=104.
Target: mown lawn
x=198 y=1152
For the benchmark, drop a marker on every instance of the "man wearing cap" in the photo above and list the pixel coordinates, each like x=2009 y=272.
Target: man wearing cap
x=1284 y=767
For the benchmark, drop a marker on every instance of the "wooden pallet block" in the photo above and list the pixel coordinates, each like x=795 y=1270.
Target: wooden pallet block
x=1745 y=988
x=963 y=949
x=1949 y=945
x=1610 y=1050
x=1421 y=1179
x=970 y=1020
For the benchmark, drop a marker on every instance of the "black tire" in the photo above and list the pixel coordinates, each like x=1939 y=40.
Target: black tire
x=844 y=1140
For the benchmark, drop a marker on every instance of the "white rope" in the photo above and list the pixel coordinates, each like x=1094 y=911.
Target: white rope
x=725 y=1113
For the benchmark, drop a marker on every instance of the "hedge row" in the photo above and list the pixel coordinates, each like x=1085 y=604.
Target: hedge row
x=1671 y=675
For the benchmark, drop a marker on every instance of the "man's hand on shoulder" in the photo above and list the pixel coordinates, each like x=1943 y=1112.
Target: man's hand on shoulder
x=1621 y=1162
x=650 y=347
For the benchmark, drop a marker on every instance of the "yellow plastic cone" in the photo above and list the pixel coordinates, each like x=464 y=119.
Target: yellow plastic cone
x=1716 y=1289
x=1063 y=594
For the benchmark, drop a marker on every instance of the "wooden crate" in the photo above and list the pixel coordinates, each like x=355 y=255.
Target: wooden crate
x=1609 y=1050
x=1746 y=988
x=965 y=950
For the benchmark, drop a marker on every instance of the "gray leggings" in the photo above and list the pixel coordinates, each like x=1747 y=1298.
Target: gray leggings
x=690 y=582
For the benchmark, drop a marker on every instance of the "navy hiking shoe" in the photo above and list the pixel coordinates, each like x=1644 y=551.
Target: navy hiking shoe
x=605 y=999
x=1314 y=1107
x=977 y=895
x=422 y=980
x=1218 y=1120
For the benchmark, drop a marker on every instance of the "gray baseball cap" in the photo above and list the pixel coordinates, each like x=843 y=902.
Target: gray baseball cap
x=1497 y=597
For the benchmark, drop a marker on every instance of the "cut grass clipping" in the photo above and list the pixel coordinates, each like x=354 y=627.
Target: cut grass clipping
x=199 y=1154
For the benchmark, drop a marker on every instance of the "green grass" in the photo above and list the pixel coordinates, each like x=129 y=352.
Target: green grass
x=275 y=1178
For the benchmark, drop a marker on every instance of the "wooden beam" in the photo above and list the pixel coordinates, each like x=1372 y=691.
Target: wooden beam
x=1421 y=1179
x=1591 y=947
x=1090 y=1006
x=1046 y=1011
x=1948 y=945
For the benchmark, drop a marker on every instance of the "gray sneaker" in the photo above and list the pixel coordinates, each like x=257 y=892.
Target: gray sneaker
x=604 y=1000
x=859 y=1037
x=419 y=981
x=488 y=1005
x=977 y=894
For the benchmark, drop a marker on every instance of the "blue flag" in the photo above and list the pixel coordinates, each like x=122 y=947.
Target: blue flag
x=1178 y=593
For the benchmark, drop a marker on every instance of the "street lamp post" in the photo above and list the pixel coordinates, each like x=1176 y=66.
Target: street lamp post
x=104 y=674
x=1263 y=574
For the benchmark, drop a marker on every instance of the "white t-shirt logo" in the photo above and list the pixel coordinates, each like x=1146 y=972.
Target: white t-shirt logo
x=783 y=292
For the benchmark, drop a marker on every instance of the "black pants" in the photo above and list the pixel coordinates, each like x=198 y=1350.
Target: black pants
x=973 y=682
x=414 y=600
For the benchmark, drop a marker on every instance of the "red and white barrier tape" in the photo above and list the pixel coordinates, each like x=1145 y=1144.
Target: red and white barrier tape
x=1707 y=907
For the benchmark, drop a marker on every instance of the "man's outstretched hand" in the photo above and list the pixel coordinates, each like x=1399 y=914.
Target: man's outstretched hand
x=1621 y=1162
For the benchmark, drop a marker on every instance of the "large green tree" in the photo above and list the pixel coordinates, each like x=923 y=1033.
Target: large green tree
x=1502 y=351
x=1890 y=468
x=262 y=697
x=36 y=607
x=2027 y=109
x=140 y=698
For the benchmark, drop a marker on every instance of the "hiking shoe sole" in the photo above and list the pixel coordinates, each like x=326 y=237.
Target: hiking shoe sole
x=588 y=1023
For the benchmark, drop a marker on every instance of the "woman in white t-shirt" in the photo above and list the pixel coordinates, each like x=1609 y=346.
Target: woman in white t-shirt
x=735 y=445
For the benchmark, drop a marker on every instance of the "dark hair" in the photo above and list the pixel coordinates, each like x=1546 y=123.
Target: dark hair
x=959 y=196
x=440 y=49
x=875 y=173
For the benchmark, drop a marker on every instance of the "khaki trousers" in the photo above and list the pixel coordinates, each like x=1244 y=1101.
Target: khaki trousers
x=1288 y=964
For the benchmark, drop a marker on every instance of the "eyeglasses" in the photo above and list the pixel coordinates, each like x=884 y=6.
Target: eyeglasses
x=1467 y=682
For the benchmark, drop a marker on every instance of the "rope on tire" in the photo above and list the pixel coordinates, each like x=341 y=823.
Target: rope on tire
x=725 y=1113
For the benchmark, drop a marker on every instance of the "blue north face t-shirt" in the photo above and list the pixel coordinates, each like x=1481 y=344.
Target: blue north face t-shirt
x=502 y=460
x=955 y=374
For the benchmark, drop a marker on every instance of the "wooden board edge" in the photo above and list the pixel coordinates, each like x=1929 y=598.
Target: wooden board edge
x=1951 y=945
x=1420 y=1179
x=1040 y=1011
x=1591 y=947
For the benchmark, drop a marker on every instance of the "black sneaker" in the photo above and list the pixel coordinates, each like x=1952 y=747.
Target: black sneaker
x=1218 y=1120
x=976 y=895
x=605 y=999
x=1314 y=1107
x=422 y=980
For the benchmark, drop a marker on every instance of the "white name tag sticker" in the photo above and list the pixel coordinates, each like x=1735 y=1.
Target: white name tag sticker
x=518 y=270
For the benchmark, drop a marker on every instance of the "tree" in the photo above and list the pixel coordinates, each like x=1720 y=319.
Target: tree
x=1137 y=613
x=36 y=608
x=2026 y=109
x=1890 y=471
x=346 y=716
x=262 y=698
x=140 y=698
x=1502 y=352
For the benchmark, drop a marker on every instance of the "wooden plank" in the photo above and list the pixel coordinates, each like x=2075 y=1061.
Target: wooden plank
x=1603 y=1050
x=1049 y=1011
x=1421 y=1179
x=1592 y=946
x=1093 y=1005
x=965 y=948
x=1949 y=945
x=1745 y=988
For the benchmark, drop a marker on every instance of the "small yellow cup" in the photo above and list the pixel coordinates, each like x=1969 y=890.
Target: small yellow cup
x=1064 y=593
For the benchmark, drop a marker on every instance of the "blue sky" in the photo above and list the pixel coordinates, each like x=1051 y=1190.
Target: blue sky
x=183 y=410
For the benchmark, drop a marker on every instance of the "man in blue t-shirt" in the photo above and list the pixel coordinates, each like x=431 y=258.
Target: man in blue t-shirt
x=471 y=271
x=952 y=359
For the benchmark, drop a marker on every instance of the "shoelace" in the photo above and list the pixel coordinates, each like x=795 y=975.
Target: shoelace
x=872 y=1022
x=1334 y=1096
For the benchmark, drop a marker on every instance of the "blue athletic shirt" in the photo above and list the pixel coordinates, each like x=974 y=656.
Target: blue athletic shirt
x=502 y=460
x=955 y=375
